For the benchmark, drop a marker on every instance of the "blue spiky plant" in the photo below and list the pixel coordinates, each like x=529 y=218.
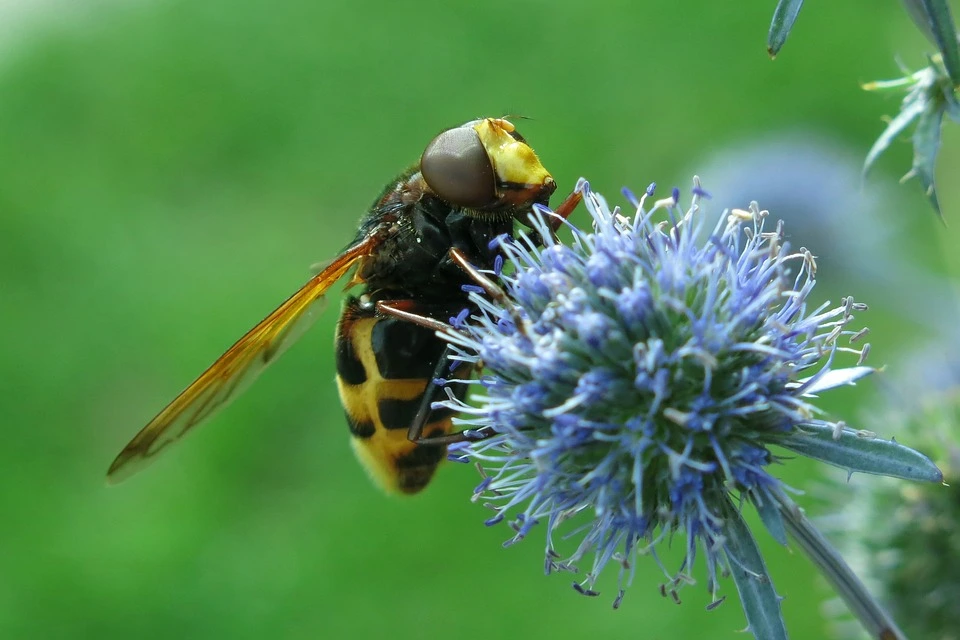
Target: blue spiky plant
x=642 y=375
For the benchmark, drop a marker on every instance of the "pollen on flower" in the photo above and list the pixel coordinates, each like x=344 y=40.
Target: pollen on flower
x=655 y=364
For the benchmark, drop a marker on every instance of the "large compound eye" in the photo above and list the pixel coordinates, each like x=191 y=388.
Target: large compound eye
x=456 y=166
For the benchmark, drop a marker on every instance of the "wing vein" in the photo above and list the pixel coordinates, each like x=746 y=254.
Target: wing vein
x=237 y=368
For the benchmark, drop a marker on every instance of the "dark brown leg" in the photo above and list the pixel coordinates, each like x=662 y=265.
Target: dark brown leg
x=493 y=290
x=411 y=311
x=415 y=433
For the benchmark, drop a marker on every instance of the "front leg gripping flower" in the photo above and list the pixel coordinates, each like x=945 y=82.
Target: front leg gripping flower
x=636 y=380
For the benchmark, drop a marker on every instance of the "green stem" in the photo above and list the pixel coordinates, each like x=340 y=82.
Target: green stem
x=874 y=618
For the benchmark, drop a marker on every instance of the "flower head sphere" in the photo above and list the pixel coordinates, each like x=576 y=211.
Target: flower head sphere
x=641 y=373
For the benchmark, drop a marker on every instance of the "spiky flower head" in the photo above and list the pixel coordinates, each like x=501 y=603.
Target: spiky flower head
x=639 y=376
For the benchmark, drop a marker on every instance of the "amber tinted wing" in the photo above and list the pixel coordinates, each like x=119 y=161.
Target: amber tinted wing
x=233 y=372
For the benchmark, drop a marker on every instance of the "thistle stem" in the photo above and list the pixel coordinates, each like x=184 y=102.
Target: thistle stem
x=871 y=614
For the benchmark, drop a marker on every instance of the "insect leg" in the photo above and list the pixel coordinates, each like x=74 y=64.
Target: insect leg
x=408 y=310
x=492 y=289
x=415 y=433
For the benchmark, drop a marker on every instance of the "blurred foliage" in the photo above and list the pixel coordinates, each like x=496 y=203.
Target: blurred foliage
x=935 y=21
x=168 y=172
x=931 y=92
x=930 y=96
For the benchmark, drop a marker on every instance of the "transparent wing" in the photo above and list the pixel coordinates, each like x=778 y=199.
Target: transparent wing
x=236 y=369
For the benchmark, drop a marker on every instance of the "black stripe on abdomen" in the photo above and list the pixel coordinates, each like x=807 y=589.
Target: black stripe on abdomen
x=349 y=367
x=360 y=428
x=421 y=456
x=404 y=350
x=416 y=468
x=399 y=414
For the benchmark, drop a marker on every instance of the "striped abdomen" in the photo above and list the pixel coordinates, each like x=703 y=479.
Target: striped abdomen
x=383 y=368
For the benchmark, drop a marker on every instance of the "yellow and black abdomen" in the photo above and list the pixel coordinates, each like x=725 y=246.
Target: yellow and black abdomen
x=383 y=368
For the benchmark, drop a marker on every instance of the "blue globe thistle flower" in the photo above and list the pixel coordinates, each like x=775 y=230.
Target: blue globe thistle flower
x=807 y=178
x=638 y=377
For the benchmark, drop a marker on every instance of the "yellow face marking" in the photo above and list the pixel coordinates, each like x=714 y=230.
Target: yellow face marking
x=513 y=161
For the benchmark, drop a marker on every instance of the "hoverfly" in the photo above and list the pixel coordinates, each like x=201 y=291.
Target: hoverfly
x=418 y=244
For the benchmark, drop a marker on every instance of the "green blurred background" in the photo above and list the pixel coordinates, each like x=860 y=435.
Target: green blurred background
x=170 y=169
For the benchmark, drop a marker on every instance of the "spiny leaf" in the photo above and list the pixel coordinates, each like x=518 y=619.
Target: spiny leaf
x=769 y=514
x=953 y=106
x=926 y=144
x=910 y=112
x=934 y=19
x=760 y=601
x=783 y=18
x=865 y=453
x=930 y=95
